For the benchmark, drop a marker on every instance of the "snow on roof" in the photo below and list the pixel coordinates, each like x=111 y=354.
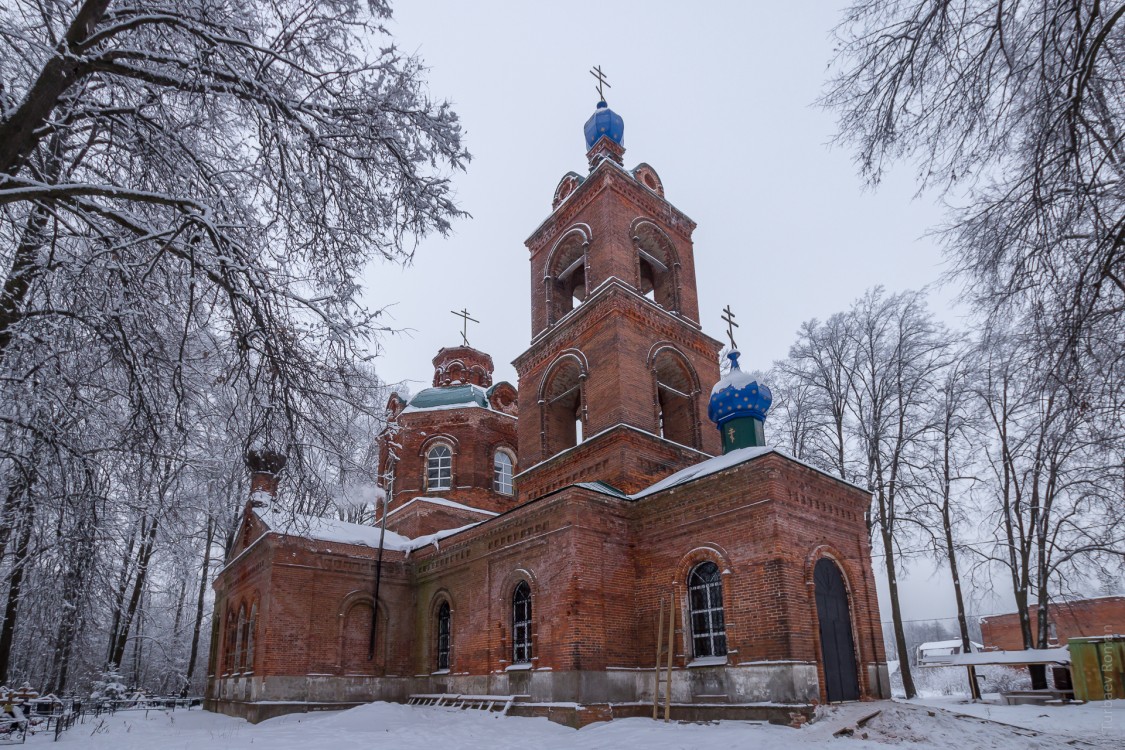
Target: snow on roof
x=1030 y=656
x=702 y=469
x=442 y=501
x=342 y=532
x=726 y=461
x=952 y=643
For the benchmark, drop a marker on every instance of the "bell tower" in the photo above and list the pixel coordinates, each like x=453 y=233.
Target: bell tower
x=615 y=384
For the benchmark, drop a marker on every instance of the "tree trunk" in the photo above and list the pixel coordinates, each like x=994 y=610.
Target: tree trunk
x=204 y=575
x=73 y=585
x=15 y=582
x=119 y=595
x=143 y=557
x=896 y=609
x=962 y=620
x=21 y=130
x=24 y=270
x=139 y=642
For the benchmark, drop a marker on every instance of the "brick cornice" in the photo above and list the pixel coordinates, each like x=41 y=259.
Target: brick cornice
x=610 y=175
x=612 y=296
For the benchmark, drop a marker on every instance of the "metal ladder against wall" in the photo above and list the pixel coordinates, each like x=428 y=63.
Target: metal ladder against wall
x=664 y=651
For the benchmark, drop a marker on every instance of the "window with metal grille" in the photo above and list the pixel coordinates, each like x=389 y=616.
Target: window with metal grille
x=443 y=638
x=502 y=473
x=521 y=624
x=439 y=468
x=708 y=626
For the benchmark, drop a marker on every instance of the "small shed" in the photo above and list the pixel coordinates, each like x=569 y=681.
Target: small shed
x=1098 y=667
x=941 y=653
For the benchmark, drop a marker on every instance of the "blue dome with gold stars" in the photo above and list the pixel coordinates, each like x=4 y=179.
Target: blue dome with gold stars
x=604 y=121
x=738 y=395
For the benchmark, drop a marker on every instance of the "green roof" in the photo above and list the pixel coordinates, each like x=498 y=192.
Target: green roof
x=453 y=395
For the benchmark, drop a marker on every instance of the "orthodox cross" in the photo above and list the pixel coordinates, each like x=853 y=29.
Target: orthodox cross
x=596 y=72
x=464 y=315
x=728 y=318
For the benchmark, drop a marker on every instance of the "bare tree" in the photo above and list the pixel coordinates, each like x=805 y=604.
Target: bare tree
x=1017 y=111
x=861 y=389
x=1054 y=478
x=900 y=352
x=822 y=365
x=188 y=192
x=947 y=463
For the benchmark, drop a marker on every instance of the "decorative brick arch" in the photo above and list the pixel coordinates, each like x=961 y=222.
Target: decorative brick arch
x=580 y=231
x=706 y=552
x=829 y=552
x=441 y=437
x=648 y=177
x=656 y=264
x=562 y=401
x=675 y=395
x=561 y=279
x=354 y=633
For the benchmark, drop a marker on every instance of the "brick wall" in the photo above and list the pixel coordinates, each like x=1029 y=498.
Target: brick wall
x=597 y=567
x=1090 y=617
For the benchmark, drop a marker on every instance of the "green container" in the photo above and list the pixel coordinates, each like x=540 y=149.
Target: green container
x=1097 y=667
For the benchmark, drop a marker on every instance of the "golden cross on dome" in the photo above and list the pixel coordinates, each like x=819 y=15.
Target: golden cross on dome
x=728 y=318
x=464 y=314
x=596 y=72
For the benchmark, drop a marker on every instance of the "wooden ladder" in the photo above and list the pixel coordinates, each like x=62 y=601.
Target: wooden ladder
x=664 y=652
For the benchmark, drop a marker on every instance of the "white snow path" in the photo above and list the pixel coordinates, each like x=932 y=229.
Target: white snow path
x=401 y=727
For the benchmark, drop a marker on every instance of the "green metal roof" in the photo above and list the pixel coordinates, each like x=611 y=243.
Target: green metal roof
x=453 y=395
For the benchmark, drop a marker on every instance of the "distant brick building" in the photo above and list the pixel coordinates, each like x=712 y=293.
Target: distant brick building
x=1066 y=619
x=535 y=534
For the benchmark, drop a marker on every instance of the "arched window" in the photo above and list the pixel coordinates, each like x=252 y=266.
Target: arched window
x=675 y=399
x=708 y=626
x=248 y=659
x=439 y=468
x=562 y=405
x=238 y=636
x=230 y=666
x=521 y=624
x=502 y=473
x=443 y=637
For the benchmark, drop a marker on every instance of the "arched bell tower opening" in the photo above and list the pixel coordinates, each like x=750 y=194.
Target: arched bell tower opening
x=562 y=403
x=676 y=394
x=657 y=265
x=565 y=280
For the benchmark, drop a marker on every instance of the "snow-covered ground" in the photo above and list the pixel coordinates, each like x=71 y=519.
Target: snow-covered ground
x=926 y=723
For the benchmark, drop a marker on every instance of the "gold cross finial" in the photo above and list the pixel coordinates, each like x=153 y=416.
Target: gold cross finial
x=464 y=315
x=596 y=72
x=731 y=325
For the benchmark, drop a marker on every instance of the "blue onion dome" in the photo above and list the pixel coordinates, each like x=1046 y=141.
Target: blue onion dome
x=738 y=395
x=604 y=121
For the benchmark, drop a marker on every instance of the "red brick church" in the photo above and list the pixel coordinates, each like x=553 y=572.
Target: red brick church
x=535 y=534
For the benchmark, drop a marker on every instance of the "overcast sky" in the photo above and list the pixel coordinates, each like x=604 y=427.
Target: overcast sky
x=719 y=98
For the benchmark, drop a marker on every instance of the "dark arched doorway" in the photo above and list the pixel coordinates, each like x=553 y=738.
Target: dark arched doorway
x=837 y=646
